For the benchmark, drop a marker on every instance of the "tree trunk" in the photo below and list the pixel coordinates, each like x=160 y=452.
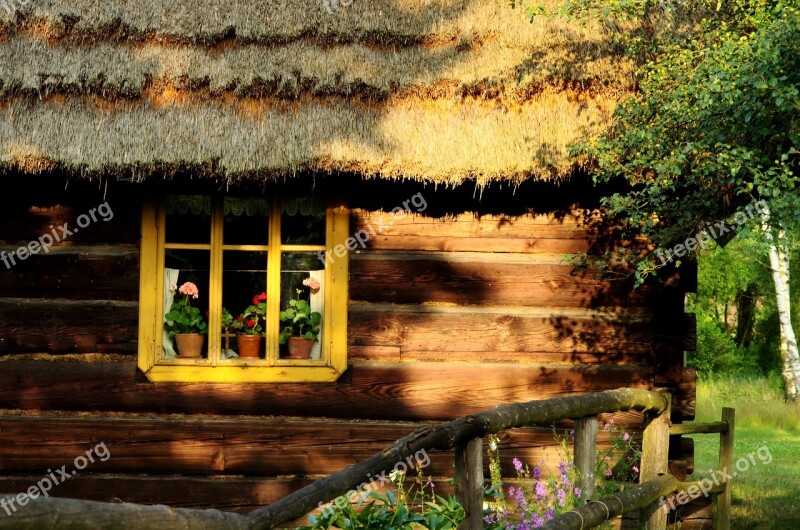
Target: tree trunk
x=779 y=266
x=745 y=313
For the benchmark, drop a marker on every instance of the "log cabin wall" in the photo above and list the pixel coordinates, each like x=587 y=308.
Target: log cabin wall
x=448 y=315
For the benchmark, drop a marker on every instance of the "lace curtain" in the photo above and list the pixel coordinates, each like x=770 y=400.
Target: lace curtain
x=201 y=204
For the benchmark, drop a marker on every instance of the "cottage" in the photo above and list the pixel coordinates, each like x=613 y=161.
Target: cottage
x=397 y=170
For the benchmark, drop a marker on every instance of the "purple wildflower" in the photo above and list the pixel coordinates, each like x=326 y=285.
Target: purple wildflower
x=626 y=437
x=577 y=491
x=549 y=514
x=536 y=473
x=561 y=495
x=517 y=465
x=540 y=491
x=635 y=469
x=521 y=502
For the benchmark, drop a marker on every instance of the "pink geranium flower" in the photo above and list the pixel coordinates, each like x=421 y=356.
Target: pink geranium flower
x=189 y=289
x=312 y=283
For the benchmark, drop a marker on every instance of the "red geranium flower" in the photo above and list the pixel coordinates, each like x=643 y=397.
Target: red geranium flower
x=251 y=323
x=240 y=318
x=259 y=298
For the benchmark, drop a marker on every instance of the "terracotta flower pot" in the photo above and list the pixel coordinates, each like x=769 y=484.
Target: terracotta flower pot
x=249 y=346
x=190 y=345
x=299 y=348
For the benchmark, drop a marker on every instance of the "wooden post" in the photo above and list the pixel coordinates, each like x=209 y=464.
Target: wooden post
x=469 y=483
x=722 y=518
x=655 y=459
x=585 y=454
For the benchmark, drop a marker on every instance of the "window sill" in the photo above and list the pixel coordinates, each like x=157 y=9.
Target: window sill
x=245 y=372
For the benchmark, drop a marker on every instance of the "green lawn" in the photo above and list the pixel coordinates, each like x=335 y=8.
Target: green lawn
x=765 y=495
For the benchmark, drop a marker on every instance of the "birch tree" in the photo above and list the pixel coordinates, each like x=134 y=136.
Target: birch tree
x=779 y=268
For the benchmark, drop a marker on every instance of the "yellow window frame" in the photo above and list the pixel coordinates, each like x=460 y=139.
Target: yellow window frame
x=271 y=369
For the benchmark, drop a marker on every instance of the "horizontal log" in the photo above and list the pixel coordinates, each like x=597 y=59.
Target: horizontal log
x=68 y=326
x=477 y=244
x=504 y=333
x=569 y=225
x=22 y=222
x=491 y=233
x=230 y=494
x=101 y=272
x=404 y=391
x=595 y=513
x=478 y=279
x=699 y=428
x=216 y=446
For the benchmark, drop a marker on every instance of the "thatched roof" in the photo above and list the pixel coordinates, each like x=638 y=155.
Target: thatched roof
x=435 y=90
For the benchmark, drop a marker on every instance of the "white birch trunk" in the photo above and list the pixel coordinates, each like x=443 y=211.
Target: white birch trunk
x=779 y=265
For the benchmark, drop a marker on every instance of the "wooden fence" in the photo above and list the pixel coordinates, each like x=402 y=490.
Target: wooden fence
x=465 y=435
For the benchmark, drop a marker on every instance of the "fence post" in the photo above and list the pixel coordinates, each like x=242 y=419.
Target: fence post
x=469 y=483
x=655 y=460
x=722 y=518
x=585 y=454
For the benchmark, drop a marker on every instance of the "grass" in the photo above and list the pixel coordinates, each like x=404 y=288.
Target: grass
x=765 y=494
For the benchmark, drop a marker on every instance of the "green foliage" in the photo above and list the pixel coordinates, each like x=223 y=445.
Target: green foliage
x=724 y=275
x=716 y=349
x=419 y=507
x=300 y=320
x=227 y=320
x=715 y=126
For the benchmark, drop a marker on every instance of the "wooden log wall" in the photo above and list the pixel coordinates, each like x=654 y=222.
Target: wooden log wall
x=448 y=316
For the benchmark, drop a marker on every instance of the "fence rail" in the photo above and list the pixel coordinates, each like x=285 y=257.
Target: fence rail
x=459 y=434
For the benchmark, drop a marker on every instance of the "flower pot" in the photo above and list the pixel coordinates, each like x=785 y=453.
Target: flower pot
x=249 y=346
x=299 y=348
x=189 y=345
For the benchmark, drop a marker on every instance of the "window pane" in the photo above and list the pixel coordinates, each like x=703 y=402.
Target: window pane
x=188 y=219
x=180 y=267
x=244 y=278
x=296 y=267
x=303 y=221
x=246 y=221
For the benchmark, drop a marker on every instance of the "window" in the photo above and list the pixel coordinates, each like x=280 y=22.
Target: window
x=234 y=249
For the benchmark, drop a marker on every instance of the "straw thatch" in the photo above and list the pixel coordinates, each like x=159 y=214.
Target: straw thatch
x=431 y=90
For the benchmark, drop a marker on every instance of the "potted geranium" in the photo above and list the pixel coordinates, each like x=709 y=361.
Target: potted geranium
x=185 y=322
x=249 y=326
x=302 y=326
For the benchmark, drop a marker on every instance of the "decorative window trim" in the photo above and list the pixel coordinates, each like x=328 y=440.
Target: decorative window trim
x=333 y=348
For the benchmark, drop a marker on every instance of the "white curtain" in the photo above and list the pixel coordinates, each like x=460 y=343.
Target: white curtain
x=317 y=303
x=170 y=279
